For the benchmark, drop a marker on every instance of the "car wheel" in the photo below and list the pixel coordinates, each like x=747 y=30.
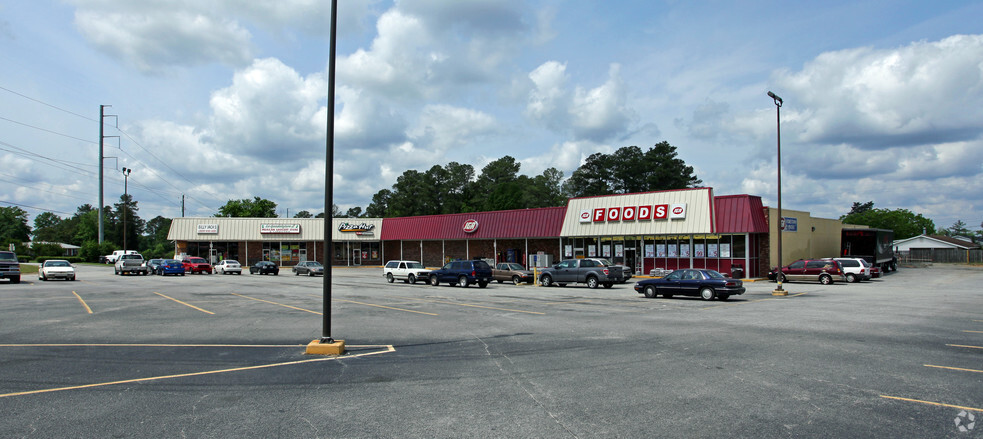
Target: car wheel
x=72 y=278
x=592 y=282
x=707 y=293
x=462 y=282
x=434 y=281
x=296 y=273
x=650 y=291
x=723 y=296
x=310 y=273
x=607 y=284
x=389 y=278
x=515 y=280
x=825 y=279
x=411 y=278
x=182 y=274
x=482 y=284
x=850 y=277
x=546 y=280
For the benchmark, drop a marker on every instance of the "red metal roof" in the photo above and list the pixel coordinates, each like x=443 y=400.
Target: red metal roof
x=739 y=214
x=503 y=224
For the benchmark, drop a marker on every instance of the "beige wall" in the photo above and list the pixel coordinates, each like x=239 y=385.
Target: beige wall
x=815 y=238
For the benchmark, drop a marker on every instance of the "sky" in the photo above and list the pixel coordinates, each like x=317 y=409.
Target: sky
x=220 y=100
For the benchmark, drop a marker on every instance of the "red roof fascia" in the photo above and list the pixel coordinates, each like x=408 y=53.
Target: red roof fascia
x=503 y=224
x=739 y=214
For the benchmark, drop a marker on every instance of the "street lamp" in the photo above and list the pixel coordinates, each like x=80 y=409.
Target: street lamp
x=779 y=226
x=126 y=174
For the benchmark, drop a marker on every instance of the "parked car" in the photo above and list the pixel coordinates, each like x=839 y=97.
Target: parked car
x=56 y=269
x=510 y=271
x=131 y=263
x=195 y=264
x=875 y=272
x=227 y=266
x=625 y=270
x=707 y=284
x=407 y=271
x=310 y=268
x=9 y=267
x=170 y=266
x=855 y=269
x=826 y=271
x=590 y=271
x=153 y=264
x=463 y=273
x=264 y=267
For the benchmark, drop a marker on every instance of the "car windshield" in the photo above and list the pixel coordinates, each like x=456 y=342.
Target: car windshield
x=715 y=274
x=314 y=264
x=7 y=256
x=414 y=265
x=515 y=267
x=56 y=264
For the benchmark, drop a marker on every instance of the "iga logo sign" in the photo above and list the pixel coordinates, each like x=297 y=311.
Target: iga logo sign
x=585 y=216
x=470 y=226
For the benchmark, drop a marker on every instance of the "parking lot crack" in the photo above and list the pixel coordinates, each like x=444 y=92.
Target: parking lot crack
x=522 y=384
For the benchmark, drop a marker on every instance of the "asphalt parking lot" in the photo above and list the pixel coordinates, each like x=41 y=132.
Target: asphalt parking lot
x=223 y=356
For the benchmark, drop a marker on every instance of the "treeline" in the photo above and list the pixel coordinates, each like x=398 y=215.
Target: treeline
x=82 y=229
x=454 y=188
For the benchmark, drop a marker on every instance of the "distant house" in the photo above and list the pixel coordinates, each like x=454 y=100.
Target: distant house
x=69 y=249
x=937 y=248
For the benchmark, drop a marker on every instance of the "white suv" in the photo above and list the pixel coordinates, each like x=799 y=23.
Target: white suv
x=407 y=271
x=855 y=269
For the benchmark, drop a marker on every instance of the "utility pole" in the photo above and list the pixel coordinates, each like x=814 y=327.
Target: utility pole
x=102 y=137
x=182 y=205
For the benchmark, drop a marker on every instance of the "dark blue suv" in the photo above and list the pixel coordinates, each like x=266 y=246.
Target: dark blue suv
x=463 y=273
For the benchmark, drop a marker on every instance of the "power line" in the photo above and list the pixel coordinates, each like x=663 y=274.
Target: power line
x=35 y=208
x=48 y=131
x=47 y=104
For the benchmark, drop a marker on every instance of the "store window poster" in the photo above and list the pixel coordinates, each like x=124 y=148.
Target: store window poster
x=698 y=251
x=568 y=251
x=619 y=251
x=592 y=251
x=684 y=250
x=606 y=249
x=672 y=250
x=660 y=250
x=712 y=251
x=649 y=251
x=724 y=250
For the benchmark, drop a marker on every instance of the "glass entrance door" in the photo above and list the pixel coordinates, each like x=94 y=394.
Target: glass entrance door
x=356 y=256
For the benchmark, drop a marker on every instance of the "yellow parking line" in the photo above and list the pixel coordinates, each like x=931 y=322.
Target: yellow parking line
x=964 y=346
x=183 y=303
x=191 y=374
x=87 y=309
x=752 y=301
x=386 y=307
x=476 y=306
x=278 y=304
x=953 y=368
x=974 y=332
x=146 y=345
x=939 y=404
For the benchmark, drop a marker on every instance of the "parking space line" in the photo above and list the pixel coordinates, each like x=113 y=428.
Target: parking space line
x=389 y=348
x=278 y=304
x=939 y=404
x=87 y=309
x=964 y=346
x=183 y=303
x=474 y=306
x=953 y=368
x=386 y=307
x=752 y=301
x=973 y=332
x=145 y=345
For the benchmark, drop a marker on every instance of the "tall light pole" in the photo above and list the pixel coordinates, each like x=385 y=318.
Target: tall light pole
x=126 y=174
x=779 y=226
x=327 y=345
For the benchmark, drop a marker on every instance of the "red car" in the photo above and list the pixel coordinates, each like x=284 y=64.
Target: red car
x=196 y=265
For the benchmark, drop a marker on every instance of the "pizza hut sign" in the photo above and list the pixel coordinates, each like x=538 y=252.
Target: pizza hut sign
x=470 y=226
x=634 y=213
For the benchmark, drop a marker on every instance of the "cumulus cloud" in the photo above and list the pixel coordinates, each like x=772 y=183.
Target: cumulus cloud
x=598 y=114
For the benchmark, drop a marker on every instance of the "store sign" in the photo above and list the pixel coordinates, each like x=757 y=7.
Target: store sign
x=790 y=224
x=470 y=226
x=358 y=229
x=279 y=228
x=207 y=229
x=634 y=213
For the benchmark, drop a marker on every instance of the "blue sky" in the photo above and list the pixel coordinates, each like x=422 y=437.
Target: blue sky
x=224 y=99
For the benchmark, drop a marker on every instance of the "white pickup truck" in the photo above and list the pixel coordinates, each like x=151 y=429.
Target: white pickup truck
x=407 y=271
x=111 y=259
x=131 y=263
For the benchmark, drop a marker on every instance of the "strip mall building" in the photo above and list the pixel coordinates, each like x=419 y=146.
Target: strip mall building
x=665 y=229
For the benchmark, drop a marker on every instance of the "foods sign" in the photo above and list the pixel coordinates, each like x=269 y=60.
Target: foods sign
x=634 y=213
x=279 y=229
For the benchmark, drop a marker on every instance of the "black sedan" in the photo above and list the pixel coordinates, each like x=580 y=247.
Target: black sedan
x=310 y=268
x=264 y=267
x=707 y=284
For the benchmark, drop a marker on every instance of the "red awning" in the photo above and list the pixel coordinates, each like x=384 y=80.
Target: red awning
x=739 y=214
x=503 y=224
